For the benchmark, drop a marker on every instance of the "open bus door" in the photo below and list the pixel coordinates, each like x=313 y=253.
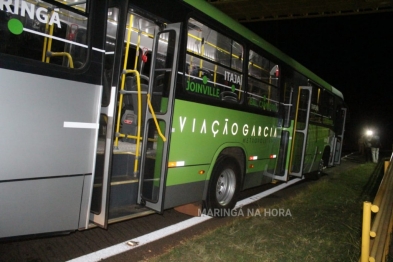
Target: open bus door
x=133 y=173
x=100 y=193
x=300 y=131
x=339 y=138
x=153 y=168
x=296 y=145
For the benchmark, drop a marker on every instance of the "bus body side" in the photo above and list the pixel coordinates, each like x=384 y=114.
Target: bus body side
x=227 y=113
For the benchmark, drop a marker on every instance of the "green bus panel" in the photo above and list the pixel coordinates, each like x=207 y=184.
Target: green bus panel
x=200 y=132
x=186 y=174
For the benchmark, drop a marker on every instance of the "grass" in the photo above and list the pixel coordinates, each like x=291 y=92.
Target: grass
x=324 y=225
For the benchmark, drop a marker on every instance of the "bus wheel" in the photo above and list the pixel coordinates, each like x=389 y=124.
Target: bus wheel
x=321 y=166
x=223 y=187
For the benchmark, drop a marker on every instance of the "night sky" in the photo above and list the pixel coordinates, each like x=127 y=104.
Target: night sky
x=354 y=54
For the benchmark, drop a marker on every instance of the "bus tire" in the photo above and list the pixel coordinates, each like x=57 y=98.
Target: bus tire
x=224 y=187
x=321 y=167
x=323 y=162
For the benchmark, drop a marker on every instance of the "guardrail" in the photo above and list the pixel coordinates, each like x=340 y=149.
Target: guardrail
x=376 y=230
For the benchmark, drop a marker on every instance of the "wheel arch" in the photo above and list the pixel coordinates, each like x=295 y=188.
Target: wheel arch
x=231 y=150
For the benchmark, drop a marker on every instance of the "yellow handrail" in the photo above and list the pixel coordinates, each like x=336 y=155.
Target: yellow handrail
x=138 y=136
x=380 y=227
x=155 y=118
x=50 y=54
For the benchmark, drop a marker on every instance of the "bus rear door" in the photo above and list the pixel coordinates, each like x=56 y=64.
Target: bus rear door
x=339 y=138
x=294 y=136
x=300 y=131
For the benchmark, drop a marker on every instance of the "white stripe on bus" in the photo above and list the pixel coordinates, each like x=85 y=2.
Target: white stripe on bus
x=61 y=39
x=80 y=125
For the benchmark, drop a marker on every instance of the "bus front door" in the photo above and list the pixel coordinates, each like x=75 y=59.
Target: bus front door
x=153 y=166
x=300 y=131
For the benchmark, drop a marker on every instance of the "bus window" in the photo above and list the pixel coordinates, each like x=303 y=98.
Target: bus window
x=315 y=115
x=214 y=64
x=262 y=91
x=262 y=95
x=77 y=5
x=45 y=32
x=263 y=69
x=111 y=31
x=326 y=107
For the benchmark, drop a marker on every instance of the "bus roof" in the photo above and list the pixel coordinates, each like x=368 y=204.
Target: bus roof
x=224 y=19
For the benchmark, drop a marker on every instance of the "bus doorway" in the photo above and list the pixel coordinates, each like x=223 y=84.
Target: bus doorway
x=300 y=131
x=134 y=170
x=339 y=130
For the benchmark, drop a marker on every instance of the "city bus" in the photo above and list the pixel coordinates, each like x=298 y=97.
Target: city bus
x=116 y=109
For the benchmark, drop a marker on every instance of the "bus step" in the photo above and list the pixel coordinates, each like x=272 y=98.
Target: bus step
x=127 y=212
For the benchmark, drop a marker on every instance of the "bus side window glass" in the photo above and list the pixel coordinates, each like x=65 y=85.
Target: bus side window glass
x=111 y=31
x=214 y=64
x=262 y=83
x=56 y=36
x=339 y=118
x=315 y=115
x=262 y=95
x=327 y=107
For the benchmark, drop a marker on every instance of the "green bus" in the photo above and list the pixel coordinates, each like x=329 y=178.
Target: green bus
x=117 y=109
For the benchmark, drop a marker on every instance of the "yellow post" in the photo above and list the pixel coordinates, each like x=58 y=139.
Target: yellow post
x=201 y=61
x=294 y=131
x=215 y=75
x=45 y=43
x=137 y=151
x=365 y=252
x=386 y=166
x=49 y=46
